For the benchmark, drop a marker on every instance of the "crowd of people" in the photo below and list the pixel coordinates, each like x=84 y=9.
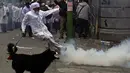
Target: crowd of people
x=11 y=17
x=39 y=19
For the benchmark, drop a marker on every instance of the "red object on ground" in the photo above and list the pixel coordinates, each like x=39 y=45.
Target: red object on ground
x=9 y=58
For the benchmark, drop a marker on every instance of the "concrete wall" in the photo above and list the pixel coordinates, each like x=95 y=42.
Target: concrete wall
x=116 y=14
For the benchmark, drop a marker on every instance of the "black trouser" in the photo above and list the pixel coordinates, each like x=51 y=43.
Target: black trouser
x=83 y=27
x=56 y=25
x=4 y=27
x=48 y=26
x=17 y=25
x=28 y=30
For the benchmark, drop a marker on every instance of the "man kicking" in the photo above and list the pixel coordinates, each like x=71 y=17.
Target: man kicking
x=39 y=29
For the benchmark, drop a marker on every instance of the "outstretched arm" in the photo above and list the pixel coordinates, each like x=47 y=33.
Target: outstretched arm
x=48 y=12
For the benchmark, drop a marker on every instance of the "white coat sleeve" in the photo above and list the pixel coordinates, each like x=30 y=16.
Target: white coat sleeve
x=48 y=7
x=48 y=12
x=5 y=11
x=25 y=22
x=23 y=11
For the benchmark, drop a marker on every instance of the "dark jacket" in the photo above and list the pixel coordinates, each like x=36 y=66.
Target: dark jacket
x=63 y=8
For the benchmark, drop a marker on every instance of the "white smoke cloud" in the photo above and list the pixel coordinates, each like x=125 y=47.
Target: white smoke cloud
x=116 y=56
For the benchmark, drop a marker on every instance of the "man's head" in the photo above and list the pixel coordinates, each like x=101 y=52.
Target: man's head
x=27 y=5
x=47 y=2
x=43 y=4
x=35 y=6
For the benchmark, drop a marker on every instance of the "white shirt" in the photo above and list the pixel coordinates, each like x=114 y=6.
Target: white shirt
x=36 y=23
x=20 y=15
x=3 y=15
x=15 y=11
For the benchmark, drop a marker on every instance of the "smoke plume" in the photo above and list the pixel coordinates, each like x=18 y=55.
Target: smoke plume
x=116 y=56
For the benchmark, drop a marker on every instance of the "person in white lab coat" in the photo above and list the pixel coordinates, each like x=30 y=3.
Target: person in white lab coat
x=25 y=10
x=15 y=16
x=3 y=18
x=34 y=19
x=20 y=17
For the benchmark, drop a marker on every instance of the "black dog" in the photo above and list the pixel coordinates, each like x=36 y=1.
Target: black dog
x=37 y=63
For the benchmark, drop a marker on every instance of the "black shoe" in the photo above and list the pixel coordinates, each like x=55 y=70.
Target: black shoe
x=23 y=35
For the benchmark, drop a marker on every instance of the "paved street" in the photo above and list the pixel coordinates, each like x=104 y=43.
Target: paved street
x=57 y=66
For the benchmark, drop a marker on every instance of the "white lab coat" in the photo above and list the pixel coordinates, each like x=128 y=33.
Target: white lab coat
x=3 y=12
x=36 y=23
x=18 y=14
x=55 y=16
x=15 y=13
x=5 y=20
x=39 y=29
x=21 y=15
x=15 y=16
x=3 y=16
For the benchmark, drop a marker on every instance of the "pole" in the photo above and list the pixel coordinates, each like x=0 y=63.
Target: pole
x=69 y=26
x=99 y=20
